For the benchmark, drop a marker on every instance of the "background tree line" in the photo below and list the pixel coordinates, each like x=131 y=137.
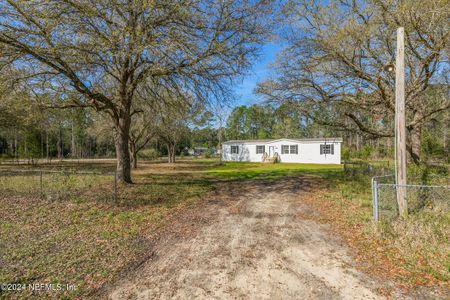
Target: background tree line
x=32 y=133
x=89 y=78
x=271 y=121
x=105 y=54
x=333 y=68
x=29 y=131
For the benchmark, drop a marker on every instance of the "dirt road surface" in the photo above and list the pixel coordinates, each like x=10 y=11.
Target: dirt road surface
x=257 y=246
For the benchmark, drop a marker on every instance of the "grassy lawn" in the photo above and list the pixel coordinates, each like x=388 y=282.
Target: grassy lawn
x=413 y=252
x=85 y=240
x=240 y=170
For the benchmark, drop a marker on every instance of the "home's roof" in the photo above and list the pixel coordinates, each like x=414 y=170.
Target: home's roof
x=328 y=139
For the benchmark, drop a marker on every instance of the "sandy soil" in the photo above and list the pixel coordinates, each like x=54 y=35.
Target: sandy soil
x=256 y=247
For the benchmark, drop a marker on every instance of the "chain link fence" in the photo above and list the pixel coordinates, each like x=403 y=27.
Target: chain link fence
x=419 y=197
x=59 y=185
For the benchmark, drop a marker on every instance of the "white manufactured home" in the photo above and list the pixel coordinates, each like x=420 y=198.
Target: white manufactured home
x=311 y=151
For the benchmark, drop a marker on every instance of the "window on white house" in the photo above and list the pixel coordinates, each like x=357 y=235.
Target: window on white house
x=294 y=149
x=234 y=149
x=327 y=149
x=286 y=149
x=260 y=149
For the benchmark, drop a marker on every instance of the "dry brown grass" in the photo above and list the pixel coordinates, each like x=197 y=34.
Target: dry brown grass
x=83 y=239
x=414 y=253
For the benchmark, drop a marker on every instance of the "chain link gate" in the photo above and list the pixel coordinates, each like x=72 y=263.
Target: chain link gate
x=419 y=197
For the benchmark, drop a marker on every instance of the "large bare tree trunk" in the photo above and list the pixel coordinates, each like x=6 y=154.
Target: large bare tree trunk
x=16 y=154
x=446 y=144
x=73 y=150
x=414 y=144
x=42 y=144
x=59 y=143
x=46 y=145
x=26 y=148
x=171 y=152
x=135 y=164
x=121 y=139
x=358 y=142
x=133 y=153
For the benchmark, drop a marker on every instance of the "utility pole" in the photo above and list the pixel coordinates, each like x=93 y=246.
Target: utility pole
x=400 y=125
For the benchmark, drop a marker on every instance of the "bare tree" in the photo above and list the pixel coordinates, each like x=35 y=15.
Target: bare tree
x=104 y=50
x=173 y=117
x=333 y=67
x=143 y=129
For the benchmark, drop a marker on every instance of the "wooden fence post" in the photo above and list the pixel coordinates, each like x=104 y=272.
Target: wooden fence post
x=41 y=187
x=400 y=123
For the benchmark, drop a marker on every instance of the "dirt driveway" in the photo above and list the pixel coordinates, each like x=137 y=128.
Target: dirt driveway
x=257 y=246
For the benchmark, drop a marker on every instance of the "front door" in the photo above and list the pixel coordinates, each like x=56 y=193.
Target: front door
x=271 y=151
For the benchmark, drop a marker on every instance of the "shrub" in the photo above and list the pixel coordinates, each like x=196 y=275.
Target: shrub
x=430 y=146
x=345 y=153
x=365 y=152
x=148 y=154
x=6 y=156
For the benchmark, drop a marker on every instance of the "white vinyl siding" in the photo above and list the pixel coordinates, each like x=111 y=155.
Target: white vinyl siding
x=290 y=151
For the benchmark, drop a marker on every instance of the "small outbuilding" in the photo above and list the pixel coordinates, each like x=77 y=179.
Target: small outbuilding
x=199 y=151
x=196 y=151
x=311 y=150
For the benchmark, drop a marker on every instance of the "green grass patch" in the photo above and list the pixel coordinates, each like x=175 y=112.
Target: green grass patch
x=247 y=170
x=51 y=182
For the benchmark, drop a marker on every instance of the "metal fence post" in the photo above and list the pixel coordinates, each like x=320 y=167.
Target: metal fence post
x=375 y=199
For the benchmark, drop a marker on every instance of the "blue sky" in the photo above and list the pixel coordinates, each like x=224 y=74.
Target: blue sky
x=259 y=71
